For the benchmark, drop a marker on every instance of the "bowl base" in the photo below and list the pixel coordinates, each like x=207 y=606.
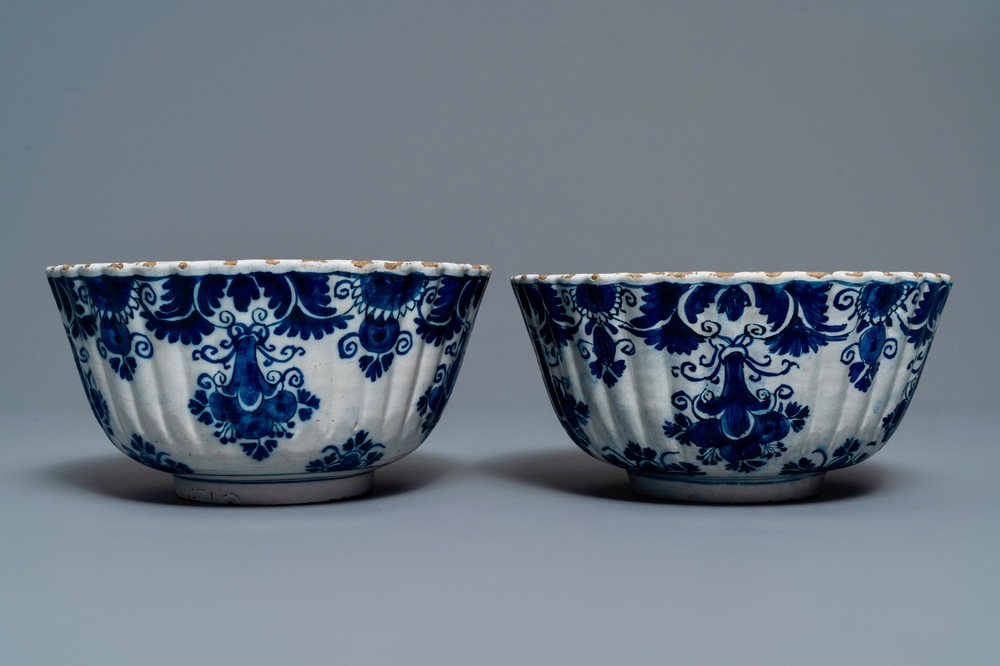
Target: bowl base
x=297 y=491
x=682 y=489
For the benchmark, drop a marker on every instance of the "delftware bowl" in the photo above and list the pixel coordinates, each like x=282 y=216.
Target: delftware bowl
x=731 y=387
x=268 y=382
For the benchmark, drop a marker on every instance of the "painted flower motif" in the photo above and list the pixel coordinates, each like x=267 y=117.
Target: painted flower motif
x=448 y=323
x=378 y=335
x=255 y=396
x=113 y=301
x=144 y=452
x=876 y=306
x=545 y=314
x=573 y=413
x=742 y=418
x=115 y=335
x=78 y=319
x=600 y=304
x=741 y=426
x=111 y=294
x=98 y=404
x=644 y=459
x=383 y=338
x=251 y=407
x=851 y=452
x=356 y=453
x=431 y=404
x=387 y=293
x=921 y=325
x=892 y=420
x=878 y=300
x=452 y=301
x=597 y=302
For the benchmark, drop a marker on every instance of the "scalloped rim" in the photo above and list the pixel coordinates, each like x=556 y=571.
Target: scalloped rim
x=237 y=266
x=767 y=277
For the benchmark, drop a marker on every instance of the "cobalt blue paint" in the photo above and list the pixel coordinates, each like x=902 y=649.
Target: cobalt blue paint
x=258 y=391
x=736 y=347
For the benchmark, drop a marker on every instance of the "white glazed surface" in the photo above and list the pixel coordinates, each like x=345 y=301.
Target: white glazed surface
x=649 y=406
x=344 y=398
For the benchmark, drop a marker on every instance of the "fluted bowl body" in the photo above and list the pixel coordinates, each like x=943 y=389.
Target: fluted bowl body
x=252 y=381
x=731 y=386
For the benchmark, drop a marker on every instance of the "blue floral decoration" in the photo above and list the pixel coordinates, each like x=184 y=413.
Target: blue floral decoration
x=574 y=414
x=356 y=453
x=143 y=452
x=95 y=398
x=744 y=411
x=849 y=453
x=446 y=321
x=257 y=393
x=892 y=420
x=644 y=459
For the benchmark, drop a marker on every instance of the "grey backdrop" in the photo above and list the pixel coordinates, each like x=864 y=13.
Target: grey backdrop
x=535 y=136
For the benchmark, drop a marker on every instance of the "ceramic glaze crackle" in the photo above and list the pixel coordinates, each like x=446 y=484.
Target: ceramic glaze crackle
x=731 y=386
x=268 y=381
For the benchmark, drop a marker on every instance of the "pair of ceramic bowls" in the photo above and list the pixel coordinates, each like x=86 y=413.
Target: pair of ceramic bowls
x=276 y=382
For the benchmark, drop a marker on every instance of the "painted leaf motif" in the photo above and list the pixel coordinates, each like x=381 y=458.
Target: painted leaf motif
x=357 y=452
x=81 y=323
x=277 y=289
x=674 y=336
x=310 y=316
x=920 y=327
x=702 y=296
x=453 y=302
x=110 y=294
x=733 y=301
x=773 y=302
x=302 y=323
x=178 y=320
x=811 y=298
x=554 y=326
x=146 y=453
x=243 y=290
x=659 y=303
x=259 y=450
x=796 y=339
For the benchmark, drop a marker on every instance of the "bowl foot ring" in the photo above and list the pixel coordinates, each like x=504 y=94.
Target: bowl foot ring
x=297 y=491
x=782 y=489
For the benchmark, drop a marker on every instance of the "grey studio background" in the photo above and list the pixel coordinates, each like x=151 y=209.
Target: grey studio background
x=537 y=137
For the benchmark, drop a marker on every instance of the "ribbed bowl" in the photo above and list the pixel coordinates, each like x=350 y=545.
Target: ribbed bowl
x=266 y=382
x=731 y=387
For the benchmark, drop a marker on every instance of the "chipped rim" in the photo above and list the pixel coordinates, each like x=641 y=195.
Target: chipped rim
x=722 y=277
x=237 y=266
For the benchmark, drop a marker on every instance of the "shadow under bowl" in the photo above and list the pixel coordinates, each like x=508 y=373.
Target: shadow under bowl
x=268 y=381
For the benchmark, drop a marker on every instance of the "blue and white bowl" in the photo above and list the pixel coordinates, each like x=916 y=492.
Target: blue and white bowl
x=731 y=387
x=268 y=382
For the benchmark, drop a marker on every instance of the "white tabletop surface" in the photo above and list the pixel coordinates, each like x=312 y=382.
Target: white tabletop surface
x=498 y=542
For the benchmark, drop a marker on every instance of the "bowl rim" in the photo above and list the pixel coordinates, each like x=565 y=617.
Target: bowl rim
x=724 y=277
x=238 y=266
